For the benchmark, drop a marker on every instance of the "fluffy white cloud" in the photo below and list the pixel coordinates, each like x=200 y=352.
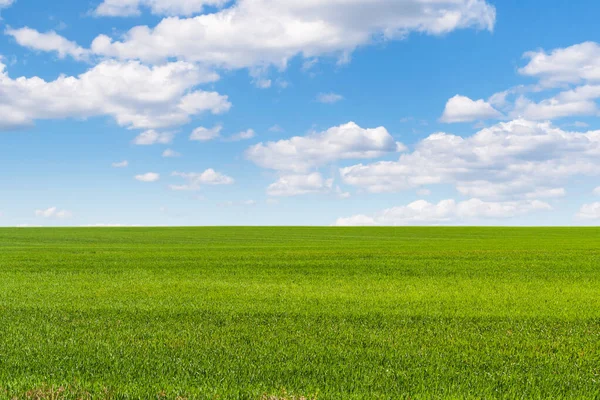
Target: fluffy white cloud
x=576 y=102
x=196 y=180
x=203 y=134
x=463 y=109
x=244 y=135
x=301 y=153
x=135 y=95
x=121 y=164
x=445 y=212
x=597 y=191
x=150 y=137
x=170 y=153
x=589 y=211
x=49 y=41
x=329 y=98
x=516 y=159
x=148 y=177
x=259 y=33
x=53 y=212
x=126 y=8
x=294 y=185
x=6 y=3
x=575 y=69
x=574 y=64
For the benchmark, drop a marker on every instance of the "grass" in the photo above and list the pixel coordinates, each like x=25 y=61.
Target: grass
x=299 y=313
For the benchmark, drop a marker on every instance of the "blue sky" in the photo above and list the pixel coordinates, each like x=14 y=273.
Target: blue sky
x=260 y=112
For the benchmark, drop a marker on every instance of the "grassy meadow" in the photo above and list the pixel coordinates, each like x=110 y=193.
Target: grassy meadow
x=291 y=313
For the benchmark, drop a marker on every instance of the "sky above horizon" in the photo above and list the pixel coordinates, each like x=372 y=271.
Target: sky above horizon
x=299 y=112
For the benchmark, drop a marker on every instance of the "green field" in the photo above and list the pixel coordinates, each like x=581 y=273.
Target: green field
x=251 y=313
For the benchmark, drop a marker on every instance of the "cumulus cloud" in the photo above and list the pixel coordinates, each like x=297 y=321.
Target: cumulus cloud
x=422 y=212
x=575 y=70
x=589 y=211
x=203 y=134
x=329 y=98
x=148 y=177
x=294 y=185
x=121 y=164
x=49 y=42
x=135 y=95
x=580 y=101
x=259 y=33
x=170 y=153
x=574 y=64
x=150 y=137
x=128 y=8
x=244 y=135
x=196 y=180
x=53 y=212
x=514 y=159
x=463 y=109
x=301 y=153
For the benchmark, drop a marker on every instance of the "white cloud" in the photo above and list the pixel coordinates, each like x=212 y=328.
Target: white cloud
x=294 y=185
x=6 y=3
x=135 y=95
x=575 y=70
x=597 y=191
x=127 y=8
x=589 y=211
x=263 y=83
x=276 y=129
x=301 y=153
x=515 y=159
x=148 y=177
x=121 y=164
x=329 y=98
x=463 y=109
x=203 y=134
x=545 y=193
x=169 y=153
x=53 y=212
x=341 y=194
x=196 y=180
x=49 y=41
x=574 y=64
x=422 y=212
x=259 y=33
x=577 y=102
x=245 y=135
x=150 y=137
